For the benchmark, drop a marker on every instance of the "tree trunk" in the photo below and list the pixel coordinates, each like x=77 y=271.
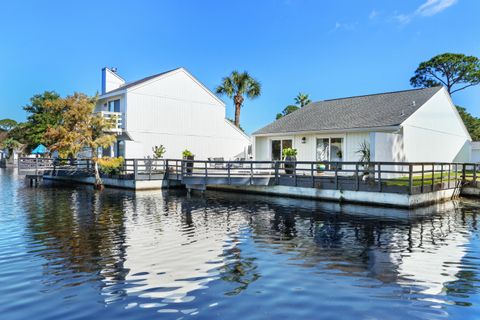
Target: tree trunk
x=98 y=179
x=237 y=100
x=237 y=115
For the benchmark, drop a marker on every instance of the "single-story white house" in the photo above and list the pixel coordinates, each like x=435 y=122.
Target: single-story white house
x=475 y=152
x=419 y=125
x=172 y=109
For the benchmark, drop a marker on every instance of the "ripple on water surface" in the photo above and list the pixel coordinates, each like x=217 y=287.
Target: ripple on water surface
x=73 y=253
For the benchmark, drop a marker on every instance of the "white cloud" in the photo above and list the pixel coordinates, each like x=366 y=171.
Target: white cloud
x=427 y=9
x=432 y=7
x=344 y=26
x=373 y=14
x=403 y=18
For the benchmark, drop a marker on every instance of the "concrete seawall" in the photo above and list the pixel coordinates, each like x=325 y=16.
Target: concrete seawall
x=400 y=200
x=375 y=198
x=117 y=183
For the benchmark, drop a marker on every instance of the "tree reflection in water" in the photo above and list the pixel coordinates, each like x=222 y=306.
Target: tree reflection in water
x=167 y=246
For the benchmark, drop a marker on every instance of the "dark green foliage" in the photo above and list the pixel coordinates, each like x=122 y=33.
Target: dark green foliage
x=237 y=86
x=472 y=123
x=301 y=100
x=7 y=124
x=288 y=109
x=40 y=118
x=454 y=71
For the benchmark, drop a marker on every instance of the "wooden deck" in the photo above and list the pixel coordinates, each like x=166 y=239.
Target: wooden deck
x=383 y=177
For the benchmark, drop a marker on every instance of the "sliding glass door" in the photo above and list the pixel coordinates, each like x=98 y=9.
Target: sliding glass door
x=329 y=149
x=278 y=146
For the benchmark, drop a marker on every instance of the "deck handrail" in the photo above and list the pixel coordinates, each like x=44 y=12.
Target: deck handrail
x=413 y=177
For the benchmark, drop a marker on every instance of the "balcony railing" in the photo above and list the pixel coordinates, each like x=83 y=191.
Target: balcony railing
x=116 y=118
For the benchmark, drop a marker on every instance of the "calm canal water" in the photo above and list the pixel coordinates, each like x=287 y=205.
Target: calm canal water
x=73 y=253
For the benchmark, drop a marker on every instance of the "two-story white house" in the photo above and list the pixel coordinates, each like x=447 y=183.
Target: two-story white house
x=172 y=109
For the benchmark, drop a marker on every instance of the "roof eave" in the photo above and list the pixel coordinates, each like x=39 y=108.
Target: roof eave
x=363 y=129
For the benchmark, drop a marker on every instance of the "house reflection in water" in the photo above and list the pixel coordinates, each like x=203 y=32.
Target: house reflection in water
x=165 y=248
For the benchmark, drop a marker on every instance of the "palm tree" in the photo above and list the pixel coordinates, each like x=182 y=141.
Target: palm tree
x=236 y=86
x=302 y=100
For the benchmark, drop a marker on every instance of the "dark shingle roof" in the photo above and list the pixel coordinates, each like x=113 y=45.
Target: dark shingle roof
x=376 y=110
x=134 y=83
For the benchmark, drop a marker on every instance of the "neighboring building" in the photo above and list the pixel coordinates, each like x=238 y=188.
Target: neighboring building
x=412 y=126
x=172 y=109
x=475 y=152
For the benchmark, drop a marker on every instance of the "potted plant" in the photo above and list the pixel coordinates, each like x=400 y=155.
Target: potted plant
x=188 y=155
x=364 y=152
x=290 y=158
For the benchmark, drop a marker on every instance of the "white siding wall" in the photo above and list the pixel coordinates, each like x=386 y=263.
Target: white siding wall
x=177 y=112
x=388 y=147
x=110 y=80
x=307 y=150
x=435 y=132
x=475 y=154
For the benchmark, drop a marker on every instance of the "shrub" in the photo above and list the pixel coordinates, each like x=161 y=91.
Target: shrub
x=187 y=153
x=110 y=166
x=289 y=152
x=158 y=151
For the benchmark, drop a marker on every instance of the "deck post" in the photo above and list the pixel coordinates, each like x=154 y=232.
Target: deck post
x=229 y=180
x=441 y=176
x=36 y=166
x=150 y=169
x=166 y=168
x=464 y=173
x=475 y=174
x=410 y=178
x=357 y=178
x=433 y=176
x=206 y=173
x=336 y=175
x=456 y=174
x=135 y=168
x=449 y=174
x=277 y=179
x=295 y=173
x=313 y=177
x=379 y=177
x=251 y=173
x=423 y=176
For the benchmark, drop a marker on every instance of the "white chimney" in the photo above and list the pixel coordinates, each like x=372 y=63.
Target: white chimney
x=111 y=80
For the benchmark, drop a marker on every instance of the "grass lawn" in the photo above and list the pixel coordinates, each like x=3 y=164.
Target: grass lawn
x=417 y=179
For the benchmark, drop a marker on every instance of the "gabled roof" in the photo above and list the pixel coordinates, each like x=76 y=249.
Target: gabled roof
x=369 y=111
x=135 y=83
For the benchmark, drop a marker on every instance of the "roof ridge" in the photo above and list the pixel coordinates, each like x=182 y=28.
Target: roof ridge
x=380 y=93
x=150 y=77
x=127 y=85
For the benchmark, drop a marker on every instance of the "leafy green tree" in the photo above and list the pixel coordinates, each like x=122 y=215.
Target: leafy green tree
x=237 y=86
x=288 y=109
x=7 y=124
x=454 y=71
x=80 y=128
x=301 y=100
x=472 y=123
x=10 y=144
x=41 y=117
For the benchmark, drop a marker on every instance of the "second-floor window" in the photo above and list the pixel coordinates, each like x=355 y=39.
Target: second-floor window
x=114 y=105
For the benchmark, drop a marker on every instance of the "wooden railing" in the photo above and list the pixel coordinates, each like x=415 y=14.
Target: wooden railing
x=390 y=177
x=393 y=177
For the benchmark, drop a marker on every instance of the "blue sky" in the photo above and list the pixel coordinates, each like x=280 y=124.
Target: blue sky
x=328 y=49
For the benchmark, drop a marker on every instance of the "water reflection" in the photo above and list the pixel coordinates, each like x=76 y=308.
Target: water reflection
x=170 y=252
